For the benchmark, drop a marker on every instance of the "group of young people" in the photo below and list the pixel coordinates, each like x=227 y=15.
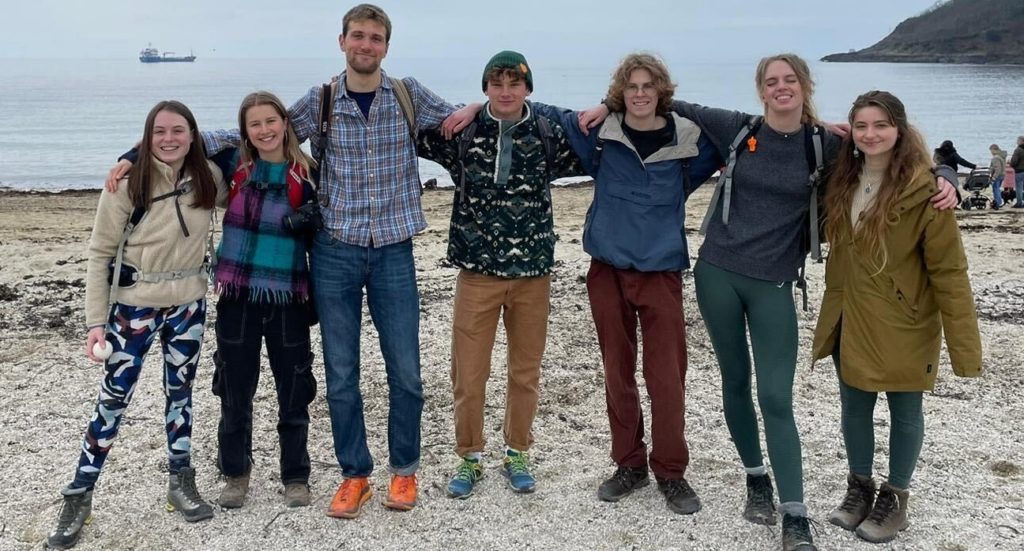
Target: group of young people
x=896 y=277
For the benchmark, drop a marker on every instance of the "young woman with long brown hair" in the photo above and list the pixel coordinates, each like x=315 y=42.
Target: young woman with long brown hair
x=159 y=291
x=895 y=282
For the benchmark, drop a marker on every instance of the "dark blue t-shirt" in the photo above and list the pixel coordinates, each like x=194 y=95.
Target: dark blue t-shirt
x=364 y=100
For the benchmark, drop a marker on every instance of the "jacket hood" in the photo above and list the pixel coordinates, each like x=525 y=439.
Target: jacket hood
x=685 y=143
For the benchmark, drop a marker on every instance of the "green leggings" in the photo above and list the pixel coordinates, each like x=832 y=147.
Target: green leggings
x=731 y=304
x=906 y=430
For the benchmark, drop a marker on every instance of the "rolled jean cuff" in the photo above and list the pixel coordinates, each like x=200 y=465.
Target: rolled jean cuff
x=405 y=471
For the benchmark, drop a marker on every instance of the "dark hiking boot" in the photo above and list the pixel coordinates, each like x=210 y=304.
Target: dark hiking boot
x=679 y=496
x=182 y=496
x=75 y=512
x=622 y=483
x=232 y=495
x=888 y=517
x=860 y=496
x=796 y=534
x=760 y=507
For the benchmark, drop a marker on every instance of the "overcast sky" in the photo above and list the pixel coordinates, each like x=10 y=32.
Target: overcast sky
x=715 y=29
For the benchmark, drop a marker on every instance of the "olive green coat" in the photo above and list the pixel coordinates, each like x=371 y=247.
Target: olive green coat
x=893 y=321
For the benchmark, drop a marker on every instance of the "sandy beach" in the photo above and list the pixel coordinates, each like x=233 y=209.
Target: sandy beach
x=968 y=491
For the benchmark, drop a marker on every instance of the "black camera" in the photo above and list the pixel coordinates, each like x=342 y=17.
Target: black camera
x=306 y=220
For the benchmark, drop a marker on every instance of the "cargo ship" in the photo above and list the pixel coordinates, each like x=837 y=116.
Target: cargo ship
x=152 y=55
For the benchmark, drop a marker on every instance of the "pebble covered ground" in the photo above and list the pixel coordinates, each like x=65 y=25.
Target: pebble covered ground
x=966 y=496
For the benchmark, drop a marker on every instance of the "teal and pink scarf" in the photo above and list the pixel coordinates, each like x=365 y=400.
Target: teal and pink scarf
x=258 y=259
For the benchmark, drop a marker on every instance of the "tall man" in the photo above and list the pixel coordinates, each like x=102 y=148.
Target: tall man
x=370 y=197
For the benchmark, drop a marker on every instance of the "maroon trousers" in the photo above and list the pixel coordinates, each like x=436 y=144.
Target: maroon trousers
x=618 y=298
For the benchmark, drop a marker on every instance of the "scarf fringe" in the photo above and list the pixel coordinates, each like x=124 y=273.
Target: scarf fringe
x=261 y=295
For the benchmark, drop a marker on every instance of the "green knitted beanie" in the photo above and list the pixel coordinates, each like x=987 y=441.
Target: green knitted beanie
x=509 y=60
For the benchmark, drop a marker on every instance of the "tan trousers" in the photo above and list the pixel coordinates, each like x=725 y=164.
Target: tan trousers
x=524 y=305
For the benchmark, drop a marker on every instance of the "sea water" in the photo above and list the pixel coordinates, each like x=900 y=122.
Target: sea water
x=63 y=122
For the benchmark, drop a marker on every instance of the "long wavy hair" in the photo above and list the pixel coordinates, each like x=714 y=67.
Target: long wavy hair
x=292 y=152
x=663 y=84
x=803 y=76
x=139 y=179
x=909 y=162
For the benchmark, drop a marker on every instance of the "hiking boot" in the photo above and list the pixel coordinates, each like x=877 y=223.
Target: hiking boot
x=796 y=534
x=350 y=497
x=401 y=492
x=860 y=495
x=760 y=507
x=466 y=476
x=296 y=494
x=182 y=496
x=888 y=517
x=517 y=469
x=75 y=512
x=232 y=495
x=622 y=483
x=679 y=496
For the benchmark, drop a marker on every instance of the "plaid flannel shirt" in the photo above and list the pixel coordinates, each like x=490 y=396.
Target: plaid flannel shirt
x=370 y=180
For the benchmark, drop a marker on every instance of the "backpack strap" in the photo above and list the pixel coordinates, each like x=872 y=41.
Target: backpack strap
x=406 y=103
x=814 y=150
x=547 y=139
x=465 y=142
x=327 y=92
x=129 y=228
x=724 y=185
x=595 y=160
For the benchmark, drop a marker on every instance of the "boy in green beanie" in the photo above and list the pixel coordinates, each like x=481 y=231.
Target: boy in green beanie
x=502 y=237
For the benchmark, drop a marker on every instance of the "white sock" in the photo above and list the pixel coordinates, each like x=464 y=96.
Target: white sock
x=756 y=471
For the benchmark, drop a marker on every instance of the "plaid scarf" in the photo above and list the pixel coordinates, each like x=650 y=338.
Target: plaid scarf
x=258 y=259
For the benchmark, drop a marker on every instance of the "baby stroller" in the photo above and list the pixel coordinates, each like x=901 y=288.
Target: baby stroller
x=977 y=182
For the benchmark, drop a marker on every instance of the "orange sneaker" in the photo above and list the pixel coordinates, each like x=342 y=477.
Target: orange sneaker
x=401 y=493
x=349 y=498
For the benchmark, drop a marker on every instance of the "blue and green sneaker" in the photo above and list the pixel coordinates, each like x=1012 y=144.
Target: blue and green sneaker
x=466 y=476
x=517 y=470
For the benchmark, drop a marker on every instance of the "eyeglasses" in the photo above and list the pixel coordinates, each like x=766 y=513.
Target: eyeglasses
x=647 y=88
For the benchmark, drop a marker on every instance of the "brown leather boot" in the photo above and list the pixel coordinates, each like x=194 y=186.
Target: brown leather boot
x=232 y=495
x=888 y=517
x=860 y=496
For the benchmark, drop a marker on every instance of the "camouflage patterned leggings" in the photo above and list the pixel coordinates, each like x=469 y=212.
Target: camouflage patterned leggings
x=131 y=330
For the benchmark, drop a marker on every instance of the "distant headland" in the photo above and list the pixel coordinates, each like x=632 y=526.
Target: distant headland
x=952 y=31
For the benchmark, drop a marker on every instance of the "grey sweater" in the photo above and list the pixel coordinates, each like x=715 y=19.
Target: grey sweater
x=770 y=197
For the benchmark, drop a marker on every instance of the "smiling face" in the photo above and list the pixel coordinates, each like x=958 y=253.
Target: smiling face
x=506 y=96
x=172 y=138
x=265 y=129
x=365 y=45
x=781 y=91
x=873 y=132
x=640 y=95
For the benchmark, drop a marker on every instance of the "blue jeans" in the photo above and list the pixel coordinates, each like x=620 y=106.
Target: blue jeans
x=340 y=272
x=997 y=195
x=1019 y=185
